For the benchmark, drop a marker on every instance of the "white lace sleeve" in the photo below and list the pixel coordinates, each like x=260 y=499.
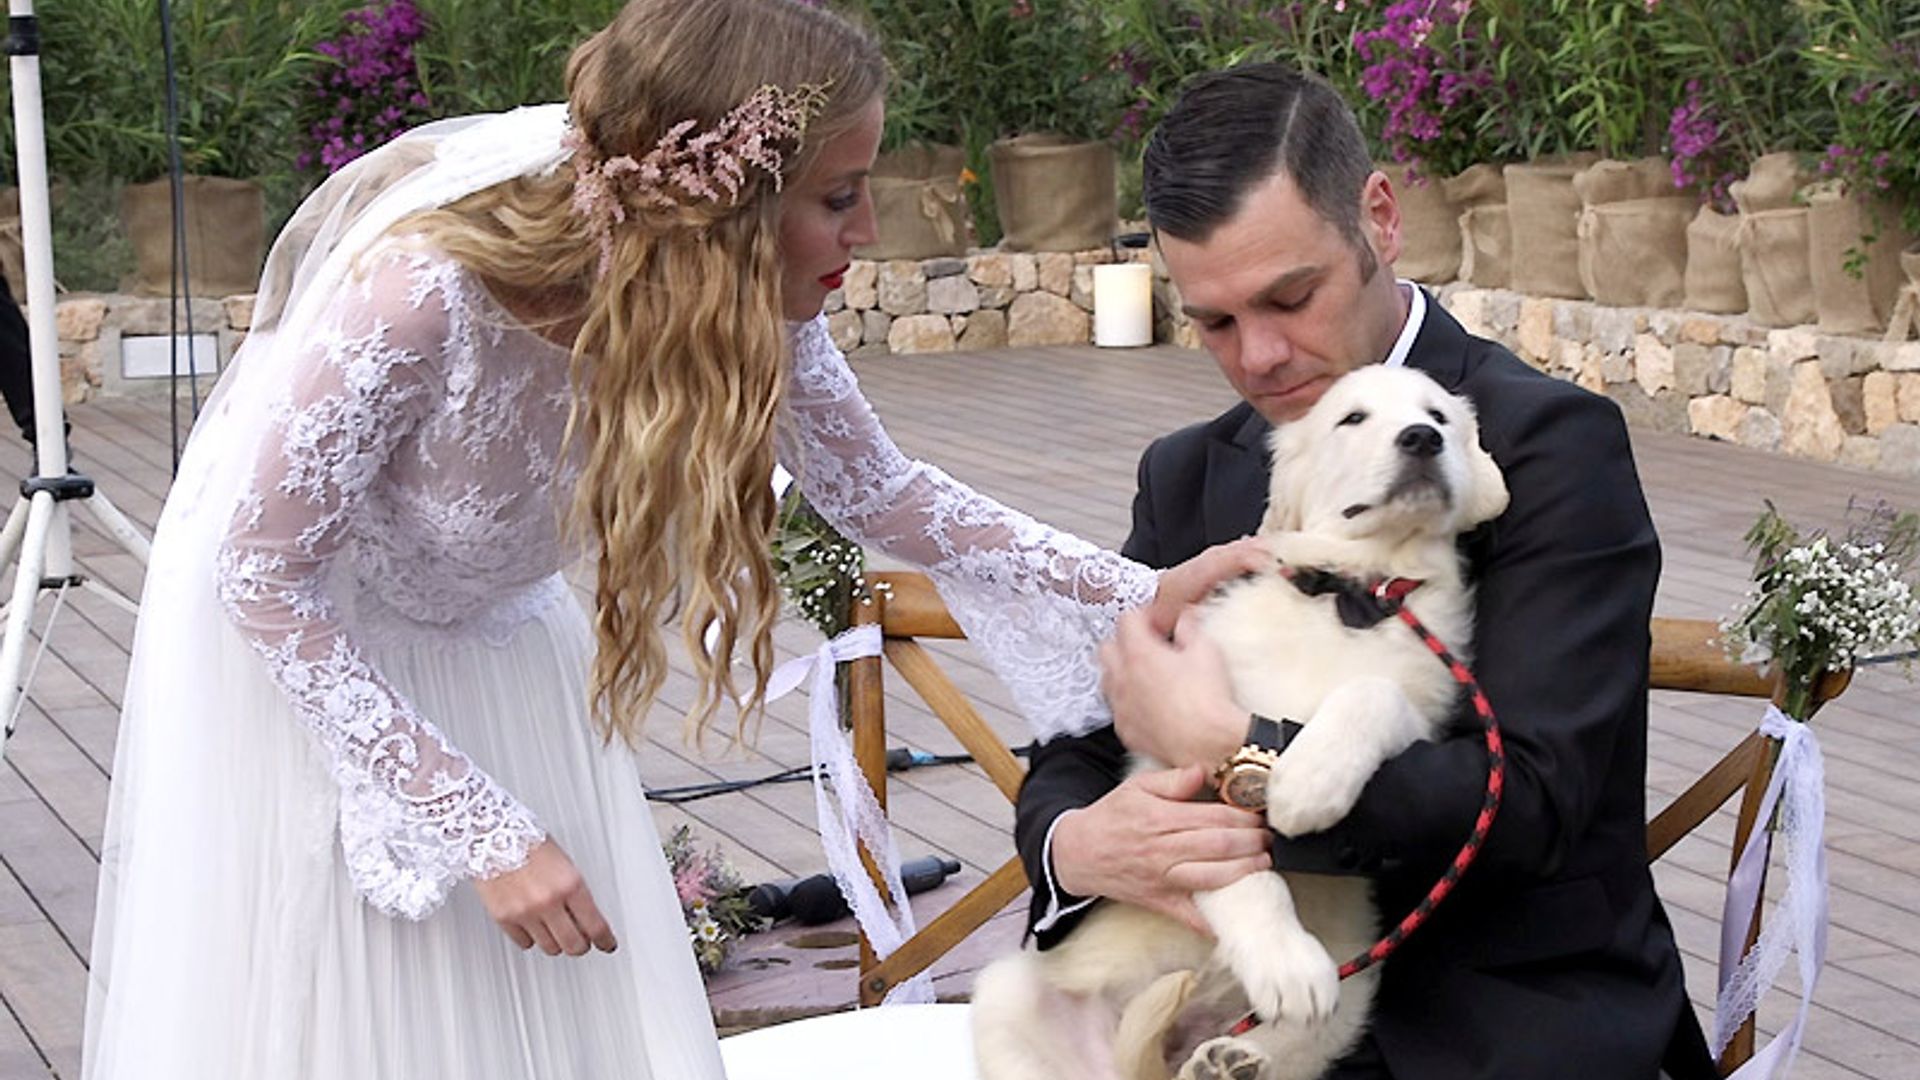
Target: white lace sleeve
x=416 y=816
x=1034 y=599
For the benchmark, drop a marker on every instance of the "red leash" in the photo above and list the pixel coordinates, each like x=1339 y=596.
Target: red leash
x=1390 y=595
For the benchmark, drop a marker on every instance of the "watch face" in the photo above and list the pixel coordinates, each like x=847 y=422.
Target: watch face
x=1246 y=788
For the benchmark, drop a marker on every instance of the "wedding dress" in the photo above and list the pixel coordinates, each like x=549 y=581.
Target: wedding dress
x=359 y=676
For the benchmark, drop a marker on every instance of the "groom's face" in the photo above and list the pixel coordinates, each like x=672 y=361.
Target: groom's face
x=1284 y=301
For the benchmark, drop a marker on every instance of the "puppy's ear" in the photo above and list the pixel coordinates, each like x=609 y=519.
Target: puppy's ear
x=1286 y=479
x=1487 y=495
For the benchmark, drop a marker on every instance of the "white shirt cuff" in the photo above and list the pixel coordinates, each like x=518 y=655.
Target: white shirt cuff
x=1055 y=911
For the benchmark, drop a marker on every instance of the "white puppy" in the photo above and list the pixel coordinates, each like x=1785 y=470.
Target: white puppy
x=1374 y=483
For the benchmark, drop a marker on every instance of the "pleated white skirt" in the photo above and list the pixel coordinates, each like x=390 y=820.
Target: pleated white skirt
x=230 y=944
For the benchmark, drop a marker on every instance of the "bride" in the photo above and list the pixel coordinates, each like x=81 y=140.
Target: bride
x=375 y=812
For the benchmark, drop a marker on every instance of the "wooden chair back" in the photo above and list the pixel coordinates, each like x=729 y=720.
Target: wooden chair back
x=1687 y=656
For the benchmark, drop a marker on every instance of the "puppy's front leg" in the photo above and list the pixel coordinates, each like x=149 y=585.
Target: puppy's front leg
x=1357 y=727
x=1284 y=969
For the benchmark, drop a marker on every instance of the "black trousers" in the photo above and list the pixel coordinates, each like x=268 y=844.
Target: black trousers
x=16 y=363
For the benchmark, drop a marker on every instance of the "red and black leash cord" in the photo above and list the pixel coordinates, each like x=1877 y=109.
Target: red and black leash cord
x=1390 y=595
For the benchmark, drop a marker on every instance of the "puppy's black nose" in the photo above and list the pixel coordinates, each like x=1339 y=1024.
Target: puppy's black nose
x=1419 y=440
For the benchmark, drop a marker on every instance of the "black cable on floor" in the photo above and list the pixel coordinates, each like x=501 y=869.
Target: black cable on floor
x=899 y=759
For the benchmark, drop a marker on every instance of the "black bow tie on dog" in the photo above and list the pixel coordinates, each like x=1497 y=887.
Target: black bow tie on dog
x=1360 y=606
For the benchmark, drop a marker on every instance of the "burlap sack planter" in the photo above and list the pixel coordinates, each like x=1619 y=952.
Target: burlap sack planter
x=1773 y=264
x=1714 y=281
x=1429 y=228
x=919 y=210
x=1054 y=193
x=1623 y=181
x=1838 y=228
x=226 y=235
x=1905 y=320
x=1544 y=212
x=1634 y=253
x=1486 y=239
x=1770 y=184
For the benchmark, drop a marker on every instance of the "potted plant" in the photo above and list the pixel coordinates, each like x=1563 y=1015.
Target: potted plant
x=1864 y=56
x=918 y=184
x=1045 y=93
x=239 y=65
x=1446 y=120
x=1737 y=92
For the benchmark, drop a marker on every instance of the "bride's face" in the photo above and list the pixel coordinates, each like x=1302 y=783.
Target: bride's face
x=826 y=212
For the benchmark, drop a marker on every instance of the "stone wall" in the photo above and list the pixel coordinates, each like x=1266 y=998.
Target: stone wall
x=1852 y=400
x=987 y=300
x=1796 y=391
x=94 y=328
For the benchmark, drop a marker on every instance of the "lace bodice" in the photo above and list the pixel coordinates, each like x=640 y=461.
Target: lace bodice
x=411 y=486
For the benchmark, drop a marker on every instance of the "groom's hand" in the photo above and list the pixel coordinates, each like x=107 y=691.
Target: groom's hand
x=1171 y=700
x=546 y=903
x=1145 y=843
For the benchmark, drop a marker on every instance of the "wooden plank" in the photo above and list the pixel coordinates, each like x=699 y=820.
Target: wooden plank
x=51 y=863
x=43 y=984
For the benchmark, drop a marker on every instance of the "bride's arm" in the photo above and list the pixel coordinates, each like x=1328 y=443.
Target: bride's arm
x=416 y=815
x=1037 y=600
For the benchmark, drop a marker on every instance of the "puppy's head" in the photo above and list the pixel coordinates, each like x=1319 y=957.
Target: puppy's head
x=1384 y=453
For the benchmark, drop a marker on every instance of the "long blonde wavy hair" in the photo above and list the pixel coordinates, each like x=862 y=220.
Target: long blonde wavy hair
x=679 y=349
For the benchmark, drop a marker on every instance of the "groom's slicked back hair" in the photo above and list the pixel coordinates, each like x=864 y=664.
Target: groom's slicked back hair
x=1231 y=130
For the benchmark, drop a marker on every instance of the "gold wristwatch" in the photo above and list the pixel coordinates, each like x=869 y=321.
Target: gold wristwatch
x=1242 y=779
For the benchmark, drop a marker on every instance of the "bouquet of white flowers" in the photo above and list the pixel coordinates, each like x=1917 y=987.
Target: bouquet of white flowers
x=1819 y=607
x=1822 y=604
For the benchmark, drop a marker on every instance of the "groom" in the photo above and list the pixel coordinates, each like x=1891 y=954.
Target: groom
x=1553 y=958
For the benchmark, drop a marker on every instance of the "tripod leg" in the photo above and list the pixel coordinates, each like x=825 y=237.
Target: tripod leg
x=116 y=524
x=10 y=536
x=26 y=586
x=110 y=595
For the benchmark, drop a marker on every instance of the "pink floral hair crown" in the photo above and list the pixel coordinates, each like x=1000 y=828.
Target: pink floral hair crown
x=687 y=166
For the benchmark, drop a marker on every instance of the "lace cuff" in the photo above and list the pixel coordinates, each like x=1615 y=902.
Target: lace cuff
x=1035 y=600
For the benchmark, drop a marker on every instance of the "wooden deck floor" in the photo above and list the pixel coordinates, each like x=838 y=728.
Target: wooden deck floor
x=1057 y=433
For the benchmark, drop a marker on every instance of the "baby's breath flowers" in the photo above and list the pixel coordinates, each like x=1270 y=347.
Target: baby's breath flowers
x=1823 y=604
x=820 y=571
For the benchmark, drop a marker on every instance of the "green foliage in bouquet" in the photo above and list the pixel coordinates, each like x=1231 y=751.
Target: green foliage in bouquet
x=1823 y=604
x=820 y=571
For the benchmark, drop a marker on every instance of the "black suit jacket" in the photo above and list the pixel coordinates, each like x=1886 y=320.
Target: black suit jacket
x=1553 y=958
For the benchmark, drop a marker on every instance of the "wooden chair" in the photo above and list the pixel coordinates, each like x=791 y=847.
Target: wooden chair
x=1686 y=656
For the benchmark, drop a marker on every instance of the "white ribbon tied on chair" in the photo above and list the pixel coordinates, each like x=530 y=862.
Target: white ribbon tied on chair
x=849 y=811
x=1798 y=788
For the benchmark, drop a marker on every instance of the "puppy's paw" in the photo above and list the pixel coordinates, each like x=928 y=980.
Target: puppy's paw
x=1307 y=793
x=1292 y=980
x=1225 y=1058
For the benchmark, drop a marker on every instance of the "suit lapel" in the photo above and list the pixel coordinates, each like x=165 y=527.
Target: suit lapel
x=1235 y=492
x=1440 y=349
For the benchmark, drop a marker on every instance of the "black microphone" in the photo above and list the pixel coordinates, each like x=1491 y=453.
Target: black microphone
x=814 y=900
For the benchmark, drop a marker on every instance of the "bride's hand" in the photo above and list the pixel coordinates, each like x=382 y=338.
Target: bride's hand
x=1191 y=581
x=546 y=903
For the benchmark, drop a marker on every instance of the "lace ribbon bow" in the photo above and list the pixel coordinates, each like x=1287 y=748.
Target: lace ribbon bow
x=1799 y=925
x=849 y=811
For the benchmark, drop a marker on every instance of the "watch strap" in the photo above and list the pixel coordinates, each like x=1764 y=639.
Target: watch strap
x=1274 y=735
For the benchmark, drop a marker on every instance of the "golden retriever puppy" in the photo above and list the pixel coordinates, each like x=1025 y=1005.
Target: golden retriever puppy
x=1374 y=483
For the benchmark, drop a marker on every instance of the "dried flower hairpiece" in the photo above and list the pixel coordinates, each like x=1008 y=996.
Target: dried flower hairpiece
x=685 y=166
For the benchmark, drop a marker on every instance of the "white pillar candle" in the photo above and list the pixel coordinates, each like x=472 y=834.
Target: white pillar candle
x=1123 y=305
